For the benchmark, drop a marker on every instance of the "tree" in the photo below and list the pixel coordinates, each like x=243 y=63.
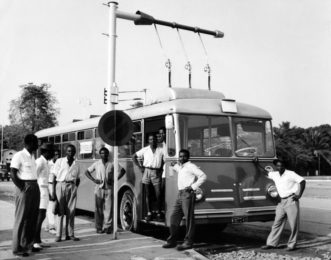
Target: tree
x=34 y=109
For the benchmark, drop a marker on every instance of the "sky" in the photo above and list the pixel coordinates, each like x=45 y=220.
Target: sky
x=276 y=54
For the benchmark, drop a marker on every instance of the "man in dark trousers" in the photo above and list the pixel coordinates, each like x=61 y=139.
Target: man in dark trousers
x=287 y=183
x=104 y=178
x=190 y=177
x=66 y=171
x=24 y=175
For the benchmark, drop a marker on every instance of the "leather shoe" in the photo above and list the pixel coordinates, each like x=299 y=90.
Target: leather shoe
x=73 y=238
x=23 y=254
x=35 y=249
x=290 y=248
x=58 y=239
x=169 y=245
x=266 y=247
x=184 y=246
x=99 y=231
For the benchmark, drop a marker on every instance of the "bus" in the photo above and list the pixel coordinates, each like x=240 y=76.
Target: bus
x=224 y=138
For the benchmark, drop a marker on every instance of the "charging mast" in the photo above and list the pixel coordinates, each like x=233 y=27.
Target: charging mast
x=139 y=18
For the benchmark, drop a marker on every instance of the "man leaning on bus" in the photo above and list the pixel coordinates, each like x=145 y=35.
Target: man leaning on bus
x=66 y=171
x=104 y=176
x=152 y=170
x=190 y=177
x=288 y=208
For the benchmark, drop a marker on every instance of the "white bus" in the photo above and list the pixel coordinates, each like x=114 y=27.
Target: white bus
x=223 y=137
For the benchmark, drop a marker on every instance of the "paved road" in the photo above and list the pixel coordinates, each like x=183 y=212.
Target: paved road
x=315 y=241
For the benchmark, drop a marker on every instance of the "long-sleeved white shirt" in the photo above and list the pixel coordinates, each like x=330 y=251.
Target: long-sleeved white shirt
x=189 y=175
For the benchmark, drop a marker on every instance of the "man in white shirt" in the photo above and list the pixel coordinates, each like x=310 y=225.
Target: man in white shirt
x=104 y=176
x=66 y=171
x=287 y=183
x=50 y=226
x=152 y=172
x=46 y=151
x=24 y=175
x=190 y=177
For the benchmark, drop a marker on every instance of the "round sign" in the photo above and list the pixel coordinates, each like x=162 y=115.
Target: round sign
x=115 y=128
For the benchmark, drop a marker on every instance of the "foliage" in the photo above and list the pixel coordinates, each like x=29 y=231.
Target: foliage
x=299 y=147
x=13 y=136
x=34 y=109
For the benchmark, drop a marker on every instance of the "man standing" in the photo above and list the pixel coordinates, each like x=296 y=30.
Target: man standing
x=104 y=176
x=52 y=201
x=152 y=169
x=24 y=175
x=190 y=177
x=288 y=208
x=66 y=171
x=46 y=151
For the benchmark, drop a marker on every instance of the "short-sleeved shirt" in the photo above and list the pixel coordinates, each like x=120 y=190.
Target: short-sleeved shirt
x=187 y=175
x=64 y=172
x=25 y=163
x=103 y=172
x=287 y=183
x=150 y=159
x=51 y=171
x=42 y=171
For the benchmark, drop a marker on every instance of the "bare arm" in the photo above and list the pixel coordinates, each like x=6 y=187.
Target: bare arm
x=302 y=188
x=135 y=161
x=88 y=175
x=17 y=181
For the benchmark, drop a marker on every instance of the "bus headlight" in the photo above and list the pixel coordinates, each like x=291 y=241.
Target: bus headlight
x=198 y=194
x=272 y=191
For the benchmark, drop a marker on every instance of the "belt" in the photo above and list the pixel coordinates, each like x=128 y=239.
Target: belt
x=68 y=182
x=32 y=181
x=43 y=185
x=151 y=168
x=288 y=196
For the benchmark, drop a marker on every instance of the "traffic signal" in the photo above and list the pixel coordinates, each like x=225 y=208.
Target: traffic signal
x=105 y=96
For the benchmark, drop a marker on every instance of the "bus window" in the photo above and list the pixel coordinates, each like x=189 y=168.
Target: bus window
x=51 y=139
x=72 y=136
x=80 y=135
x=253 y=137
x=57 y=139
x=85 y=149
x=171 y=142
x=88 y=134
x=65 y=137
x=206 y=136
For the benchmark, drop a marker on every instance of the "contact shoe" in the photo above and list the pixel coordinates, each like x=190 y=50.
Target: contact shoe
x=290 y=248
x=21 y=254
x=267 y=247
x=184 y=246
x=37 y=245
x=58 y=239
x=169 y=245
x=73 y=238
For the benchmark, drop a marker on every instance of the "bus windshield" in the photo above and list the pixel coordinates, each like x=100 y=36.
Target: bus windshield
x=253 y=137
x=206 y=136
x=210 y=136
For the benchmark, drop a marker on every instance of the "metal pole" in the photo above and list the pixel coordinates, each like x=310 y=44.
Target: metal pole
x=111 y=105
x=2 y=143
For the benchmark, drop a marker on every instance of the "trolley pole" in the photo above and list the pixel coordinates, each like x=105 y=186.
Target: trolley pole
x=112 y=99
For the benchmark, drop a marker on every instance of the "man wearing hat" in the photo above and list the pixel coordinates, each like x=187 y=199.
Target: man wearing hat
x=290 y=187
x=46 y=153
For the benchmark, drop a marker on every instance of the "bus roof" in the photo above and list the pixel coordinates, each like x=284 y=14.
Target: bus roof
x=170 y=100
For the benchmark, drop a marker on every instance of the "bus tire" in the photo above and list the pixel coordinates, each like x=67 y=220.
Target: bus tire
x=128 y=212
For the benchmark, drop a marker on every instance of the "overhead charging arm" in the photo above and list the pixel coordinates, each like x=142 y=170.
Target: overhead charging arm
x=141 y=18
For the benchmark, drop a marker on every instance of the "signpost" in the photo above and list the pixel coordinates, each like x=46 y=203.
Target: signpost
x=139 y=18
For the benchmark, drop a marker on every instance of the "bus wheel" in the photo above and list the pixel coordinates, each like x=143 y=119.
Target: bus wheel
x=128 y=212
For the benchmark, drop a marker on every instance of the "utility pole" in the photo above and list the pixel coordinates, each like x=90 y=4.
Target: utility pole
x=1 y=143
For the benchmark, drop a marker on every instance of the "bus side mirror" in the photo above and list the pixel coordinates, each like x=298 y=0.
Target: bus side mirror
x=169 y=122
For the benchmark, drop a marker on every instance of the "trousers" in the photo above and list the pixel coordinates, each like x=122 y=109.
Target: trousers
x=26 y=216
x=103 y=209
x=66 y=194
x=287 y=209
x=184 y=206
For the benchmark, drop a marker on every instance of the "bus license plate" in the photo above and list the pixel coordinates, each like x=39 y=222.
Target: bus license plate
x=239 y=219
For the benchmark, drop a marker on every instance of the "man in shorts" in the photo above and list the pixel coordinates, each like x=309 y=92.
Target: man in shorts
x=152 y=165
